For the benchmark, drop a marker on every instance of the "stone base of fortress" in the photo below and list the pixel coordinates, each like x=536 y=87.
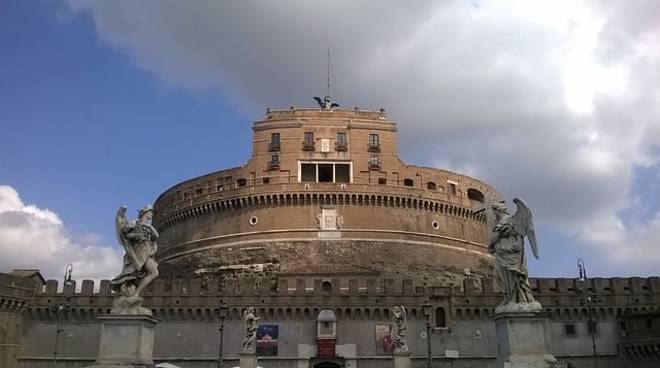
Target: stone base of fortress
x=523 y=341
x=127 y=341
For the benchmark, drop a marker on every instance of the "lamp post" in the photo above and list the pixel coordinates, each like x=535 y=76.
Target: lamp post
x=587 y=299
x=426 y=308
x=60 y=308
x=222 y=312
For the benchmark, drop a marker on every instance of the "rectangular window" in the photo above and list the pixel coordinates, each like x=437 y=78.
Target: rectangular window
x=440 y=318
x=373 y=160
x=265 y=180
x=274 y=142
x=341 y=144
x=309 y=138
x=451 y=188
x=382 y=181
x=325 y=173
x=308 y=173
x=373 y=140
x=342 y=173
x=592 y=327
x=569 y=329
x=274 y=163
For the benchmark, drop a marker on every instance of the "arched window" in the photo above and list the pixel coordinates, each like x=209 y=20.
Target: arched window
x=431 y=186
x=475 y=195
x=440 y=318
x=408 y=182
x=326 y=286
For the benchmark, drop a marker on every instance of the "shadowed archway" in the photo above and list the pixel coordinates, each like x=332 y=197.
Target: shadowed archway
x=327 y=365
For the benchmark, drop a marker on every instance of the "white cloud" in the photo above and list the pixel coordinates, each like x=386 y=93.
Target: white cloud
x=31 y=237
x=557 y=101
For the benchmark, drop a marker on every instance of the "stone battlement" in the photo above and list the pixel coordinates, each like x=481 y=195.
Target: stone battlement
x=353 y=286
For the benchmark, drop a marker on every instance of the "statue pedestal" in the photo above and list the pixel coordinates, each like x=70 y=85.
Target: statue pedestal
x=522 y=341
x=247 y=360
x=401 y=359
x=126 y=341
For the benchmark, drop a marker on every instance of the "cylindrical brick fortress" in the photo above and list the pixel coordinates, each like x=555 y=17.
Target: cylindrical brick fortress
x=325 y=193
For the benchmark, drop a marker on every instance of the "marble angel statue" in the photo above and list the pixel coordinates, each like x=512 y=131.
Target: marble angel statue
x=139 y=268
x=508 y=245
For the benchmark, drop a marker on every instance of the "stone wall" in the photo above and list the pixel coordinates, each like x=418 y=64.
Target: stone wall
x=260 y=205
x=15 y=293
x=187 y=333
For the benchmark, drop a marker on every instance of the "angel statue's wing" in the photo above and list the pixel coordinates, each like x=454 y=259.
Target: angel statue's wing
x=120 y=224
x=523 y=222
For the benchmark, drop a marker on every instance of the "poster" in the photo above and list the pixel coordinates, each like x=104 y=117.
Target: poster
x=267 y=340
x=384 y=344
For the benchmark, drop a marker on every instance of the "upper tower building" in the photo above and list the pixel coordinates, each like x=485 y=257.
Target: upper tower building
x=325 y=193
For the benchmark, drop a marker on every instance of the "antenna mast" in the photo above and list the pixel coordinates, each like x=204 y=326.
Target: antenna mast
x=328 y=90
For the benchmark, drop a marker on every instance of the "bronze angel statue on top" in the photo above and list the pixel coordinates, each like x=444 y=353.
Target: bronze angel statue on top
x=508 y=245
x=139 y=268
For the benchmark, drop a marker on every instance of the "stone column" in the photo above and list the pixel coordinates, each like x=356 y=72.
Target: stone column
x=126 y=341
x=522 y=341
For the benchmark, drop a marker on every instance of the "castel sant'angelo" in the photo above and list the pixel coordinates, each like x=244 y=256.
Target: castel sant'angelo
x=324 y=230
x=326 y=194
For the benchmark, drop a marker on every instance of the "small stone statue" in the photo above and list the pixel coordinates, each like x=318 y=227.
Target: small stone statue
x=250 y=324
x=139 y=241
x=399 y=326
x=507 y=243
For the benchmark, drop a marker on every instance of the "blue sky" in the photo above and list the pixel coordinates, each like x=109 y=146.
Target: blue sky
x=105 y=104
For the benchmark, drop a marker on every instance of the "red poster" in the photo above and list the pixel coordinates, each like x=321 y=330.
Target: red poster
x=326 y=348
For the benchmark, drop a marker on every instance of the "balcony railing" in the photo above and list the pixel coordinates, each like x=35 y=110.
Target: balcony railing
x=273 y=147
x=374 y=166
x=341 y=147
x=308 y=146
x=373 y=147
x=273 y=165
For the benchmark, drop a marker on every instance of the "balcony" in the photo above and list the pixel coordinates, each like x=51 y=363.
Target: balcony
x=374 y=166
x=341 y=147
x=308 y=146
x=273 y=147
x=373 y=148
x=273 y=165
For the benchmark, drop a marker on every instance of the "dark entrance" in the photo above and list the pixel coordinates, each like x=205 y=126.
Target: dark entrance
x=327 y=365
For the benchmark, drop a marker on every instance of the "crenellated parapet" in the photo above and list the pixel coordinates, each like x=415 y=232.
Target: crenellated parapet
x=15 y=293
x=198 y=299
